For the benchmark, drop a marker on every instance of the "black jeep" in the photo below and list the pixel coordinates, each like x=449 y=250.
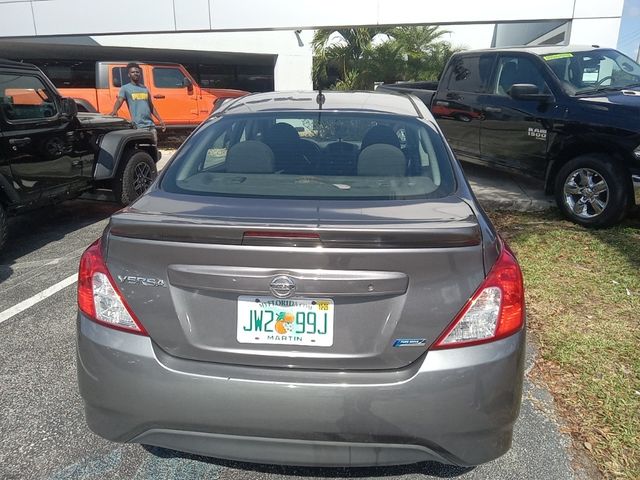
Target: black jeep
x=49 y=152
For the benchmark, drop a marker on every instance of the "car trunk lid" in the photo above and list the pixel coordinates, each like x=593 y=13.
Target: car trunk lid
x=370 y=284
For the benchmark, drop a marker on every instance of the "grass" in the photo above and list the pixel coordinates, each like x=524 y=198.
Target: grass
x=583 y=308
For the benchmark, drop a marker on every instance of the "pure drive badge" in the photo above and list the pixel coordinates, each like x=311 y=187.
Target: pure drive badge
x=410 y=342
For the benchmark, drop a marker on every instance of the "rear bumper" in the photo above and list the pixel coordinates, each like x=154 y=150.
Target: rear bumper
x=454 y=406
x=635 y=180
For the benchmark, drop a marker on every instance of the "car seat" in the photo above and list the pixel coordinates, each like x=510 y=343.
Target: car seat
x=380 y=134
x=250 y=157
x=382 y=160
x=284 y=141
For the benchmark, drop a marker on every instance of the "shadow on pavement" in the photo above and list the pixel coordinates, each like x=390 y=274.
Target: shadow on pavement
x=433 y=469
x=33 y=230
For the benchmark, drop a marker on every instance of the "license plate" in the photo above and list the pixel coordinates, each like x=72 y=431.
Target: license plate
x=278 y=321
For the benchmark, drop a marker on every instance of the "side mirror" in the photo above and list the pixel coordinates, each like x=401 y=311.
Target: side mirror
x=68 y=107
x=528 y=91
x=187 y=83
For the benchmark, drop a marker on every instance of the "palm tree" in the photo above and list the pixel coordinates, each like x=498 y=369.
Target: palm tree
x=435 y=60
x=425 y=50
x=345 y=56
x=354 y=62
x=418 y=38
x=386 y=62
x=351 y=80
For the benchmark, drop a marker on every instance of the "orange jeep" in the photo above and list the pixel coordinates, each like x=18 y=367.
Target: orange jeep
x=180 y=101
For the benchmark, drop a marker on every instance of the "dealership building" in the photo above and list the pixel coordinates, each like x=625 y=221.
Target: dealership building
x=260 y=45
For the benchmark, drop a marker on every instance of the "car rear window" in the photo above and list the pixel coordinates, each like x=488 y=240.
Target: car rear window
x=320 y=155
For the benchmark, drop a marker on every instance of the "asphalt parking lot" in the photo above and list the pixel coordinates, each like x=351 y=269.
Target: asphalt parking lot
x=42 y=429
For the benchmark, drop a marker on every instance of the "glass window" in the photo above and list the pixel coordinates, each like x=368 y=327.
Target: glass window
x=513 y=70
x=69 y=73
x=120 y=76
x=24 y=97
x=255 y=78
x=332 y=155
x=215 y=76
x=585 y=72
x=545 y=32
x=217 y=151
x=168 y=78
x=470 y=74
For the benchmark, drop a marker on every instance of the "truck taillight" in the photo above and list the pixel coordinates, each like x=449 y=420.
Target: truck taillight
x=98 y=296
x=496 y=310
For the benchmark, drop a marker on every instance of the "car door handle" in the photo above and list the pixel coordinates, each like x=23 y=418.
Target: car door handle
x=158 y=96
x=492 y=109
x=18 y=142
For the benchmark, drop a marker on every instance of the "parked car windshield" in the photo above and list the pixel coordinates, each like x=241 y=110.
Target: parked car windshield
x=320 y=155
x=593 y=71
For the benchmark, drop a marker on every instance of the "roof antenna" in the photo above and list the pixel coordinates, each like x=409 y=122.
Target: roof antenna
x=320 y=98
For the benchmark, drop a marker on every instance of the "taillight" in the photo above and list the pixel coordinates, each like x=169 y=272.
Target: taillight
x=496 y=310
x=99 y=298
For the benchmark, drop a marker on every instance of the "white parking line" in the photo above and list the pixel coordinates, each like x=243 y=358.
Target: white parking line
x=38 y=297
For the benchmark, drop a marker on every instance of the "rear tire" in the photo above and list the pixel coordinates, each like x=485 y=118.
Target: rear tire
x=4 y=227
x=591 y=191
x=136 y=174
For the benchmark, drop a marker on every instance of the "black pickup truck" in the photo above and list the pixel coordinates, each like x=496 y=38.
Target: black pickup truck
x=49 y=152
x=567 y=115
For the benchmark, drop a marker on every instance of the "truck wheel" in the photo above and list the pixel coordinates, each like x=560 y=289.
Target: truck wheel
x=591 y=191
x=137 y=173
x=4 y=227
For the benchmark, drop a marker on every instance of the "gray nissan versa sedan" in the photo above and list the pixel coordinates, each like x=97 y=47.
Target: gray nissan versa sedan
x=310 y=281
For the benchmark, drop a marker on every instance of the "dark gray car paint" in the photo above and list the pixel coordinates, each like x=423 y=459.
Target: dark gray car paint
x=447 y=222
x=362 y=402
x=250 y=280
x=195 y=317
x=445 y=233
x=456 y=405
x=490 y=243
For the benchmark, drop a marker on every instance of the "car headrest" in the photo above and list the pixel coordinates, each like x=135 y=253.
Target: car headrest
x=250 y=157
x=381 y=160
x=380 y=134
x=281 y=134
